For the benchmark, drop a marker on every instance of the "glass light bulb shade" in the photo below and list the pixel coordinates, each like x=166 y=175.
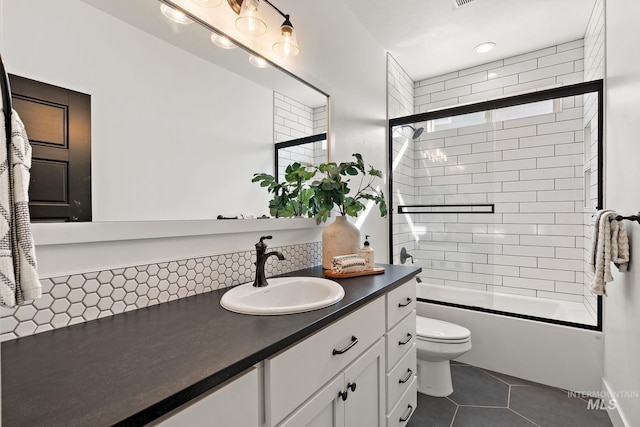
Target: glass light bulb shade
x=258 y=61
x=175 y=15
x=222 y=41
x=287 y=46
x=249 y=21
x=208 y=3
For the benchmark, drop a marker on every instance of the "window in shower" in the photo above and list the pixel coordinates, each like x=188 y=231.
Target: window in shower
x=494 y=202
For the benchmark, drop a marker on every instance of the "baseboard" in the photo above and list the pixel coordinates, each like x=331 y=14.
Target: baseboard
x=613 y=408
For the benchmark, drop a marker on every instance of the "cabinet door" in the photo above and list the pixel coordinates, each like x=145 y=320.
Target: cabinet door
x=323 y=409
x=294 y=375
x=365 y=385
x=221 y=407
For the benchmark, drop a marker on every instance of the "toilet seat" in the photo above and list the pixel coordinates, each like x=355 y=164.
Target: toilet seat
x=434 y=330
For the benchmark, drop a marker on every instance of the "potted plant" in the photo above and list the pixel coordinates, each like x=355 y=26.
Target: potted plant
x=335 y=190
x=290 y=197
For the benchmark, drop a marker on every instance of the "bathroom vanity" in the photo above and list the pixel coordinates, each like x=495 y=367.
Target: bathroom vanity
x=190 y=361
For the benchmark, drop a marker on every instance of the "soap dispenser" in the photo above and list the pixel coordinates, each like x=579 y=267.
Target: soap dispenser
x=366 y=252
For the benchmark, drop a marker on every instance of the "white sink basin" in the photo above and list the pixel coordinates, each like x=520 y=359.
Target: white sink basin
x=283 y=295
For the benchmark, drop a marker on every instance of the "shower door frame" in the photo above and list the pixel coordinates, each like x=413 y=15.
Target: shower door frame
x=594 y=86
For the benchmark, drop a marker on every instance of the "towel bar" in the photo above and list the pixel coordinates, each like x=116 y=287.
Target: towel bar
x=630 y=218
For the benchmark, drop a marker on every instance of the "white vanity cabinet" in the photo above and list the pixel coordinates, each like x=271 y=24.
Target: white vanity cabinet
x=400 y=337
x=354 y=398
x=336 y=377
x=221 y=406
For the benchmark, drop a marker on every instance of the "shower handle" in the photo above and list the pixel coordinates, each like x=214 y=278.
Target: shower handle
x=404 y=255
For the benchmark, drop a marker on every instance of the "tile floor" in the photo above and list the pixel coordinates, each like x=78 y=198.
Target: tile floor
x=482 y=398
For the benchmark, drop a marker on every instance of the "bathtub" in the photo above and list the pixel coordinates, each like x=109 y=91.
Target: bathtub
x=544 y=308
x=553 y=354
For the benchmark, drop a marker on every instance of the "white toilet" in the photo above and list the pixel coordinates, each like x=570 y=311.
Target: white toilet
x=438 y=342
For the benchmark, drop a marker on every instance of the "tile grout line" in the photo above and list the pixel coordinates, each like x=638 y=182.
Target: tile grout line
x=499 y=379
x=484 y=406
x=520 y=415
x=455 y=413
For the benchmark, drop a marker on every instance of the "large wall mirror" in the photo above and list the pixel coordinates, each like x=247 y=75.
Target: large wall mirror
x=179 y=125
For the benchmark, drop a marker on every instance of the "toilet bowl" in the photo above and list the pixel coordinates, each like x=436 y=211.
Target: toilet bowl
x=438 y=342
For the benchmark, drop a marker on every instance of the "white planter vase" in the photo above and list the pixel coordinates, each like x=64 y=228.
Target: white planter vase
x=339 y=238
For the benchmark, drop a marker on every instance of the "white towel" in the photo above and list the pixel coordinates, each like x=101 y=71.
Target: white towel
x=609 y=244
x=18 y=276
x=351 y=263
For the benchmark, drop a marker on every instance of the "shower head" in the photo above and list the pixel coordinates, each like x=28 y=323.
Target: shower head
x=416 y=132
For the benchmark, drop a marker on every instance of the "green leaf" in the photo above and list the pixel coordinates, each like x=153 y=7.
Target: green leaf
x=351 y=171
x=375 y=172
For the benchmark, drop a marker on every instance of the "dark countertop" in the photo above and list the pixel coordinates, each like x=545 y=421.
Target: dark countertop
x=131 y=368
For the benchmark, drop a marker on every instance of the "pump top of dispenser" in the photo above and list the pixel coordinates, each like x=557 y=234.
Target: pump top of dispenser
x=366 y=240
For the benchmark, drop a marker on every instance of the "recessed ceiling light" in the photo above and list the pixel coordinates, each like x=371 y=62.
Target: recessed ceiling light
x=484 y=47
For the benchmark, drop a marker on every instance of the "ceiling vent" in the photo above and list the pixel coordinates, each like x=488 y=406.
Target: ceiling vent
x=460 y=3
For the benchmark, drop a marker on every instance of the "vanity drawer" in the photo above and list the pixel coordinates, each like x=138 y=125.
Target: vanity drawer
x=400 y=302
x=399 y=416
x=399 y=379
x=400 y=339
x=296 y=373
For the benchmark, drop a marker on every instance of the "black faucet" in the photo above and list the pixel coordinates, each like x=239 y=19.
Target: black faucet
x=261 y=258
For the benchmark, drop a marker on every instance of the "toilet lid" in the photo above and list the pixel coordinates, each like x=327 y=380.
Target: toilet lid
x=440 y=330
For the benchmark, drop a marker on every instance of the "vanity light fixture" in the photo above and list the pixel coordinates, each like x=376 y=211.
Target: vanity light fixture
x=484 y=47
x=175 y=15
x=222 y=41
x=258 y=61
x=250 y=23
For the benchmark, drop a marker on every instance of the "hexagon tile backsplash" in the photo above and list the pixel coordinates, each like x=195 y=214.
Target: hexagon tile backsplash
x=67 y=300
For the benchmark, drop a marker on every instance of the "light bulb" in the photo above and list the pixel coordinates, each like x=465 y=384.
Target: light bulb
x=249 y=21
x=287 y=45
x=222 y=41
x=175 y=15
x=258 y=61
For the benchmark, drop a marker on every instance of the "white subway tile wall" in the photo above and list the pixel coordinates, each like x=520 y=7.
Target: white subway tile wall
x=543 y=69
x=68 y=300
x=293 y=120
x=400 y=102
x=532 y=168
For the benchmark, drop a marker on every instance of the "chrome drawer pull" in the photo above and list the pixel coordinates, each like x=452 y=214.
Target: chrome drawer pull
x=405 y=379
x=408 y=414
x=354 y=341
x=409 y=301
x=409 y=336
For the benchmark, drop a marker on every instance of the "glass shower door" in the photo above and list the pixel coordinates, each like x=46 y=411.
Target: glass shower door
x=494 y=202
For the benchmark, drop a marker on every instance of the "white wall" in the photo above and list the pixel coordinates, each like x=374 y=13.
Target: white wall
x=622 y=306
